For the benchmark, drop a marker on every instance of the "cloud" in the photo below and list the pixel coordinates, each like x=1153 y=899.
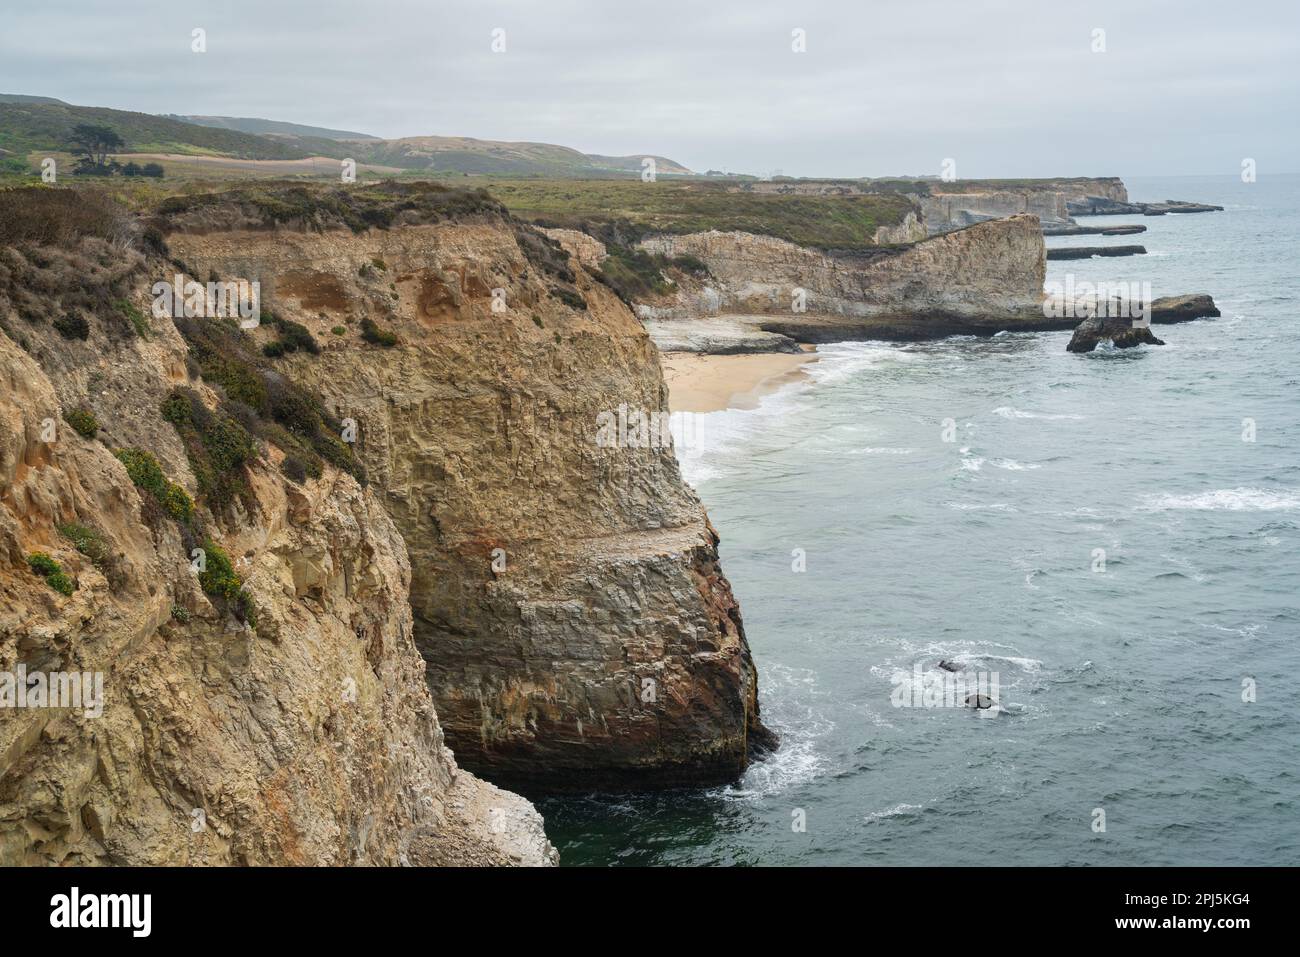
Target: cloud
x=1006 y=88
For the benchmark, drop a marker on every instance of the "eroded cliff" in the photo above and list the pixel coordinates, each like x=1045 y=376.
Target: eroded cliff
x=259 y=696
x=992 y=270
x=568 y=600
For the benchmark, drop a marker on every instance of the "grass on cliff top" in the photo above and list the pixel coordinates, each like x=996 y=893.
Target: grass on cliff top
x=824 y=222
x=1050 y=184
x=314 y=206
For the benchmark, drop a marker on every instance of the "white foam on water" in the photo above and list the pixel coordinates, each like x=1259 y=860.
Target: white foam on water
x=1013 y=466
x=1007 y=412
x=898 y=810
x=1228 y=499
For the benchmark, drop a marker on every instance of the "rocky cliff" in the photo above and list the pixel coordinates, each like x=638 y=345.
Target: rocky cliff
x=252 y=692
x=989 y=270
x=568 y=600
x=949 y=206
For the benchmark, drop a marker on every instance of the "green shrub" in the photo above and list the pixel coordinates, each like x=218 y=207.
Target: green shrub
x=373 y=334
x=144 y=471
x=61 y=583
x=339 y=330
x=147 y=474
x=52 y=572
x=274 y=349
x=570 y=296
x=43 y=564
x=177 y=503
x=219 y=580
x=133 y=315
x=218 y=448
x=218 y=576
x=72 y=326
x=180 y=614
x=295 y=336
x=86 y=540
x=83 y=421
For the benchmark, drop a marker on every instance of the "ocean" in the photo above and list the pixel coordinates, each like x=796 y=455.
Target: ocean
x=1113 y=538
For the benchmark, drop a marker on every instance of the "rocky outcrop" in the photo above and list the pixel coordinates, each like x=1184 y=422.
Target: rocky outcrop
x=577 y=627
x=1120 y=331
x=1074 y=229
x=1108 y=206
x=725 y=335
x=989 y=271
x=1088 y=252
x=1170 y=309
x=955 y=205
x=303 y=734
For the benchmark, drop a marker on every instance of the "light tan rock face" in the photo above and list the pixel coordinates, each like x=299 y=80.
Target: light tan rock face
x=588 y=250
x=990 y=269
x=1047 y=199
x=568 y=599
x=943 y=212
x=312 y=740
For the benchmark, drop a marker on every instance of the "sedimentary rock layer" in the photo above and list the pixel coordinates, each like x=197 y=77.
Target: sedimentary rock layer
x=990 y=270
x=568 y=600
x=309 y=738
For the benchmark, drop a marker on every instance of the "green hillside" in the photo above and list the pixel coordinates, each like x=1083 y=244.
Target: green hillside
x=26 y=127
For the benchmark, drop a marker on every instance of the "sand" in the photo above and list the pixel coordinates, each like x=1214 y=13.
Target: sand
x=706 y=383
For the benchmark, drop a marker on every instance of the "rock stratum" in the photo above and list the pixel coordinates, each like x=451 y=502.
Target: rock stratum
x=303 y=558
x=578 y=630
x=307 y=739
x=991 y=270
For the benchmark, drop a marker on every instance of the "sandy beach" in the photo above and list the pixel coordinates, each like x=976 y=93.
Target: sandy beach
x=710 y=383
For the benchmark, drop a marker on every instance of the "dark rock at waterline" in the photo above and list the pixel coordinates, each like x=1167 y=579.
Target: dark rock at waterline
x=1120 y=331
x=1171 y=309
x=1104 y=206
x=981 y=702
x=1087 y=252
x=1074 y=229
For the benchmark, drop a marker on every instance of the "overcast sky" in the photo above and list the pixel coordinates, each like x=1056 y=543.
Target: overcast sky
x=1009 y=88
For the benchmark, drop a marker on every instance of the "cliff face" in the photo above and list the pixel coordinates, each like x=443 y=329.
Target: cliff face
x=992 y=269
x=568 y=600
x=303 y=735
x=947 y=208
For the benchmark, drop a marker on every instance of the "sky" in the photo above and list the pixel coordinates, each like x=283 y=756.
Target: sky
x=882 y=87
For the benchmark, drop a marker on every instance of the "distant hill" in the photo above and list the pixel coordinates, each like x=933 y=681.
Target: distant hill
x=20 y=98
x=33 y=123
x=462 y=154
x=26 y=126
x=245 y=124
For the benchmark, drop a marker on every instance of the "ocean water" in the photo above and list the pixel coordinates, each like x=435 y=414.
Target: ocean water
x=1121 y=676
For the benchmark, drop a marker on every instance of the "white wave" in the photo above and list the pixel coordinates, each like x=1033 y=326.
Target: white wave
x=898 y=810
x=878 y=451
x=1013 y=466
x=972 y=464
x=974 y=507
x=840 y=360
x=1007 y=412
x=1229 y=499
